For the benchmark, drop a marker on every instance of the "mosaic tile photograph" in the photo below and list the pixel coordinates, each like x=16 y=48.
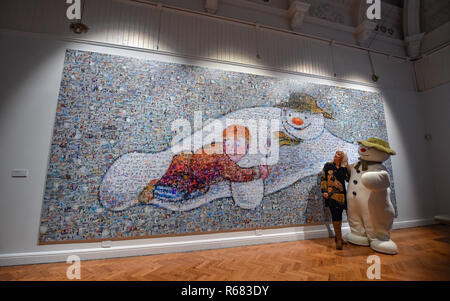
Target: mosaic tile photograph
x=113 y=172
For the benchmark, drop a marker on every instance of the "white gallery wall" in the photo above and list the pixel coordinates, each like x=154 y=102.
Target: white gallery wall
x=32 y=60
x=436 y=111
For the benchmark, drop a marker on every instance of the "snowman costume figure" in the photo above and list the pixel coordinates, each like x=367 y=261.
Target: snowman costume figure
x=370 y=211
x=305 y=145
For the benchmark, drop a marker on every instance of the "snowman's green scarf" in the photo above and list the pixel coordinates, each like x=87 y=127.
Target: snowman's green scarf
x=364 y=164
x=284 y=139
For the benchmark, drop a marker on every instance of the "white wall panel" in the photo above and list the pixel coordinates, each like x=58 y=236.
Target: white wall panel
x=436 y=106
x=137 y=25
x=352 y=64
x=434 y=69
x=322 y=55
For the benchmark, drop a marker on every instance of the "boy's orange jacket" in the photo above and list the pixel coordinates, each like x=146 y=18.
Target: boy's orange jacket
x=191 y=172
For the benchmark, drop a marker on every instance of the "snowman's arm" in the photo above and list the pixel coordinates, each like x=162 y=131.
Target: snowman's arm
x=376 y=180
x=347 y=174
x=350 y=167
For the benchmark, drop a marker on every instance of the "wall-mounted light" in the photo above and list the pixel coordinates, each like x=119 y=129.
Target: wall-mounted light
x=332 y=42
x=257 y=29
x=78 y=27
x=374 y=76
x=74 y=13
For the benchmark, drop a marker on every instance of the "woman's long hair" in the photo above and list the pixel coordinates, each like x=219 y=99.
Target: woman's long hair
x=344 y=160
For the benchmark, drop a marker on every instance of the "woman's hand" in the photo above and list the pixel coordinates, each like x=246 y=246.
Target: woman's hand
x=325 y=195
x=264 y=171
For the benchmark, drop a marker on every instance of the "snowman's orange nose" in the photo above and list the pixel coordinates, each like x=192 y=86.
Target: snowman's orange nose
x=363 y=149
x=297 y=121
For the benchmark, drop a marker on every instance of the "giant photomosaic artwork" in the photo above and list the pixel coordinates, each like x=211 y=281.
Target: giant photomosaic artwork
x=143 y=148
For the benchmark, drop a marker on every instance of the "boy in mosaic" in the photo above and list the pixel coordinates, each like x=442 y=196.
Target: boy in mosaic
x=190 y=175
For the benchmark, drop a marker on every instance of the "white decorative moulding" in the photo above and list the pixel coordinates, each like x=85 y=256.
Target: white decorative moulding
x=413 y=44
x=297 y=12
x=212 y=6
x=364 y=31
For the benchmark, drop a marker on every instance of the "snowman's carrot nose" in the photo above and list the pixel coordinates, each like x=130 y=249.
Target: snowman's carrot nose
x=297 y=121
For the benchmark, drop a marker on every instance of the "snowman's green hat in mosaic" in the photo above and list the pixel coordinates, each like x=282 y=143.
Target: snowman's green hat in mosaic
x=378 y=144
x=303 y=102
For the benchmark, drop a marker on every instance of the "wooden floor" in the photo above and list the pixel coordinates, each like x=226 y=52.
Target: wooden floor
x=424 y=255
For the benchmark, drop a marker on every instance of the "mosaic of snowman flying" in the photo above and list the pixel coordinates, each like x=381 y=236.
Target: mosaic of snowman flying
x=181 y=181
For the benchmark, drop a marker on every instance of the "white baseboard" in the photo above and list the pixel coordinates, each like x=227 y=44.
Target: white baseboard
x=443 y=219
x=413 y=223
x=185 y=244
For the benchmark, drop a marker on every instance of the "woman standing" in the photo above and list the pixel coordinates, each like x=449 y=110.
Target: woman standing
x=334 y=175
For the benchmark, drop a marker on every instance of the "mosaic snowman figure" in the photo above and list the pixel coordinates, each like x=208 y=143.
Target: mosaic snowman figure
x=370 y=211
x=304 y=143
